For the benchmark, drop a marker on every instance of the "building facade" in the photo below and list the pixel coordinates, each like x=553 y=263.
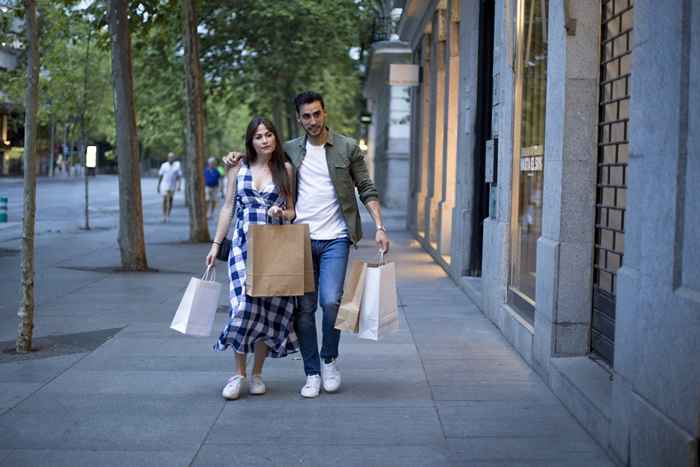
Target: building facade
x=552 y=175
x=388 y=134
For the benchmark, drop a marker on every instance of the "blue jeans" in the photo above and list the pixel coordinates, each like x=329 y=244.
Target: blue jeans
x=330 y=261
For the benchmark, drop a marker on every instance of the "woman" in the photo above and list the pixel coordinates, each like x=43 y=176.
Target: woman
x=261 y=188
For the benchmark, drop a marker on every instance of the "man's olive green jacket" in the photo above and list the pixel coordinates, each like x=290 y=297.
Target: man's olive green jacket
x=347 y=169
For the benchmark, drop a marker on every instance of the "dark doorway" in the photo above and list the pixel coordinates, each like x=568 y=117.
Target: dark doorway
x=483 y=133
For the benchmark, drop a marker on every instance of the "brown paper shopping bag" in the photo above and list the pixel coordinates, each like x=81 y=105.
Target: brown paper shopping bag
x=308 y=262
x=275 y=265
x=348 y=318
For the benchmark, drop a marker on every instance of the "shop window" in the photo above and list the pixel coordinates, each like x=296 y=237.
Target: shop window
x=528 y=157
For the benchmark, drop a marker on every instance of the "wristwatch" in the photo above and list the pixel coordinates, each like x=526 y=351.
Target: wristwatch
x=381 y=227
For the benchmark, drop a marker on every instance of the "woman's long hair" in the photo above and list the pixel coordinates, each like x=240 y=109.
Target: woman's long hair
x=279 y=172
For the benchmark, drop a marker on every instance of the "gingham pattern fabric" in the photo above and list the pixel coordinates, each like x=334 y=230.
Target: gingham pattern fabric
x=252 y=319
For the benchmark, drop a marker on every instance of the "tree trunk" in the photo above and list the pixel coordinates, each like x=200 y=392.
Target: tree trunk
x=199 y=229
x=131 y=238
x=278 y=117
x=52 y=144
x=293 y=128
x=25 y=329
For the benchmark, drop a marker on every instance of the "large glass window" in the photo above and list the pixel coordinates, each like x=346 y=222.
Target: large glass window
x=528 y=144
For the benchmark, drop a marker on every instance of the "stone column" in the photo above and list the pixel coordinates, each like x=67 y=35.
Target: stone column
x=452 y=105
x=438 y=136
x=656 y=401
x=565 y=249
x=425 y=129
x=497 y=229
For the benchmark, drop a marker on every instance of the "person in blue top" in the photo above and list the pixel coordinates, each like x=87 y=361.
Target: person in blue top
x=211 y=182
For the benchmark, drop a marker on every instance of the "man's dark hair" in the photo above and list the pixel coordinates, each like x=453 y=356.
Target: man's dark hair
x=307 y=97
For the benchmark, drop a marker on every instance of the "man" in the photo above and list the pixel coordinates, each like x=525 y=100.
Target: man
x=212 y=181
x=329 y=168
x=169 y=177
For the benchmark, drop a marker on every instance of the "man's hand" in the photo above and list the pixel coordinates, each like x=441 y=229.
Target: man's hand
x=233 y=158
x=382 y=240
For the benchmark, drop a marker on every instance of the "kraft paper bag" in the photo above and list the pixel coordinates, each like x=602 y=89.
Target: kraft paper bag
x=379 y=312
x=308 y=262
x=348 y=318
x=275 y=266
x=195 y=314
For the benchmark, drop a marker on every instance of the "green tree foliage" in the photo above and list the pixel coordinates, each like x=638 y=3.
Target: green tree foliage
x=75 y=72
x=257 y=55
x=271 y=50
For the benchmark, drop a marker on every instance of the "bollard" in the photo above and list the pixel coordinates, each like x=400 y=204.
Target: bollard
x=3 y=208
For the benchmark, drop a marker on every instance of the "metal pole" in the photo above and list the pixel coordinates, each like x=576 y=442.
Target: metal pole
x=82 y=128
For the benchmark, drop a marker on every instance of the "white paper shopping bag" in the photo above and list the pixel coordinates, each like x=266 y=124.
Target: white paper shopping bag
x=379 y=312
x=195 y=315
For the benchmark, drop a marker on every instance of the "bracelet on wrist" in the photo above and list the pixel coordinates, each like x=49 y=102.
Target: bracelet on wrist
x=217 y=243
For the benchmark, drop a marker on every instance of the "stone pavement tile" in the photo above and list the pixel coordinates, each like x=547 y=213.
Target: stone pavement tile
x=526 y=449
x=82 y=430
x=92 y=458
x=13 y=393
x=166 y=383
x=36 y=370
x=479 y=333
x=314 y=455
x=50 y=404
x=176 y=345
x=377 y=388
x=147 y=330
x=500 y=367
x=455 y=348
x=455 y=372
x=507 y=419
x=501 y=391
x=317 y=424
x=443 y=296
x=427 y=311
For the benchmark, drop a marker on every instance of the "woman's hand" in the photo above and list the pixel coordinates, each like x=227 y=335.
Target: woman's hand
x=275 y=211
x=233 y=158
x=211 y=256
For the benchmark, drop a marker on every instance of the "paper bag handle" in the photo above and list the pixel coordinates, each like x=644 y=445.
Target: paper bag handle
x=209 y=274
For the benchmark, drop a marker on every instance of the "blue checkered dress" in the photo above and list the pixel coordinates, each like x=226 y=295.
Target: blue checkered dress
x=252 y=319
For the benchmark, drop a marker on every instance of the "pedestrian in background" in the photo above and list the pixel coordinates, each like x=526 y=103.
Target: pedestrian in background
x=259 y=191
x=222 y=180
x=169 y=177
x=326 y=201
x=212 y=180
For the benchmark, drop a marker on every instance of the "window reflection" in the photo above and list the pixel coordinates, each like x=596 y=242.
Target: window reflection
x=528 y=159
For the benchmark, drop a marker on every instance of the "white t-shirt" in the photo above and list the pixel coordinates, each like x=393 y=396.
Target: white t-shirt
x=170 y=173
x=317 y=203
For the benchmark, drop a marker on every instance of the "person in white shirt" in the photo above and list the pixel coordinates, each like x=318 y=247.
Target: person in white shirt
x=169 y=177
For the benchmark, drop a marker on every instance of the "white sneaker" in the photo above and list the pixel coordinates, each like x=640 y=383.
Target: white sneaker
x=233 y=387
x=331 y=376
x=256 y=386
x=312 y=386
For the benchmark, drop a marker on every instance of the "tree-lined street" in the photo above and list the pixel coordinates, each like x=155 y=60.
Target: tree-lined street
x=111 y=385
x=60 y=204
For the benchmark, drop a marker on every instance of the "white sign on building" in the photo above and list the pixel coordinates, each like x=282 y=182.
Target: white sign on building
x=401 y=74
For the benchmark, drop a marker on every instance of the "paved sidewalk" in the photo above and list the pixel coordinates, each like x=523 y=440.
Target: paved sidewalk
x=445 y=390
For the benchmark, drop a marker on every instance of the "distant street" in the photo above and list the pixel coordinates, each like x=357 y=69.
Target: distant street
x=60 y=203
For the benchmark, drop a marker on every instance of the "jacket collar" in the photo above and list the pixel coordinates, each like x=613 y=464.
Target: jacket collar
x=330 y=141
